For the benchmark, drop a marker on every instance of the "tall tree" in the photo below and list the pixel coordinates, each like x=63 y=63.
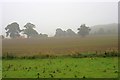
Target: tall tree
x=13 y=30
x=60 y=33
x=70 y=33
x=83 y=30
x=29 y=31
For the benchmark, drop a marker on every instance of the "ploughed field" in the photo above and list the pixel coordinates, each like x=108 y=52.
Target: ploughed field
x=59 y=46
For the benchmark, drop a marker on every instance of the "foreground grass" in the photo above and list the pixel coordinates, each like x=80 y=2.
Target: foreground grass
x=61 y=68
x=0 y=69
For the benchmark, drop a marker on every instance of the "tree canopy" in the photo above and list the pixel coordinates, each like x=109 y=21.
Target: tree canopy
x=70 y=33
x=13 y=30
x=29 y=31
x=60 y=32
x=83 y=30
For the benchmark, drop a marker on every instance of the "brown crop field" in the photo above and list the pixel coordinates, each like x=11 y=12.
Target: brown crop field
x=59 y=46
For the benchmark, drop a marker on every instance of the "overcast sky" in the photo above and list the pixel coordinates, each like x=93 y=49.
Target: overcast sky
x=48 y=15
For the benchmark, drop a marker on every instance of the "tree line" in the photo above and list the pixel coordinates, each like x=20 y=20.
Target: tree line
x=13 y=31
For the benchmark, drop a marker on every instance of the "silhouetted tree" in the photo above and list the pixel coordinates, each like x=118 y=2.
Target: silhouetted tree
x=70 y=33
x=60 y=33
x=43 y=35
x=29 y=31
x=83 y=30
x=13 y=30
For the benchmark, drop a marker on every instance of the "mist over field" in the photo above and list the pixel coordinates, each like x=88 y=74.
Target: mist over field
x=48 y=16
x=58 y=39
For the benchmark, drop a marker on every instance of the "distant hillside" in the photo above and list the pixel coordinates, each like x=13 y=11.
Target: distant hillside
x=113 y=28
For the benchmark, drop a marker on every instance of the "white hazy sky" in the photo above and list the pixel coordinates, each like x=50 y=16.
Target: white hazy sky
x=48 y=15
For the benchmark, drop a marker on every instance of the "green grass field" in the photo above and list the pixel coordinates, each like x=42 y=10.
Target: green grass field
x=61 y=68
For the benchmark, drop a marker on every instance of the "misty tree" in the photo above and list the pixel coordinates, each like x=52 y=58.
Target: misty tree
x=60 y=33
x=43 y=35
x=13 y=30
x=69 y=32
x=29 y=31
x=2 y=37
x=113 y=31
x=101 y=31
x=83 y=30
x=109 y=31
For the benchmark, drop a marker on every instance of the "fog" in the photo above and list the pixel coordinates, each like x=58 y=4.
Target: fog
x=48 y=16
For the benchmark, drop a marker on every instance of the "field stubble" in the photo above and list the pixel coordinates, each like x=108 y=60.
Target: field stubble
x=59 y=46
